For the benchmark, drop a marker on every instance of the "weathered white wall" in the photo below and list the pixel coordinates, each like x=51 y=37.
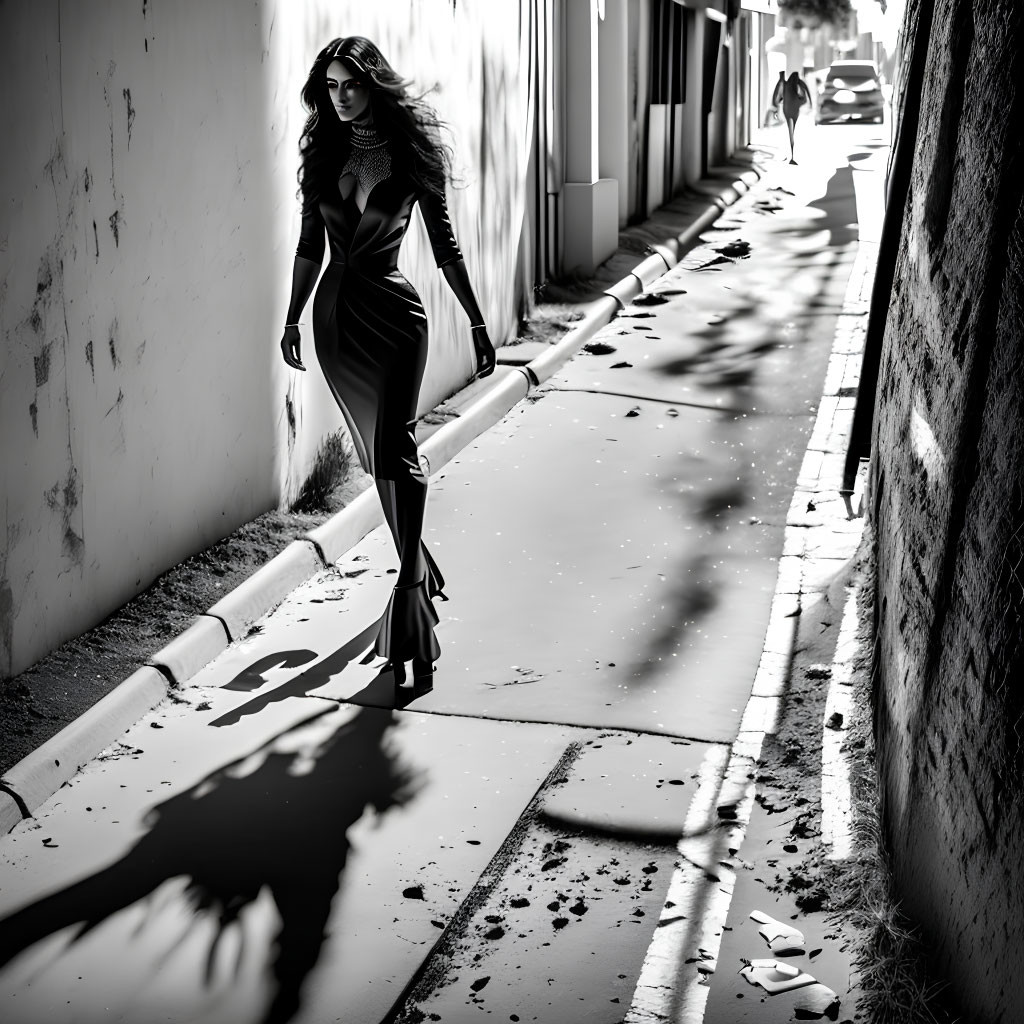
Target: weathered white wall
x=147 y=233
x=613 y=100
x=470 y=57
x=137 y=419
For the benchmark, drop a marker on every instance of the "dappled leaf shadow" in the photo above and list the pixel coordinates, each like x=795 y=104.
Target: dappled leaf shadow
x=729 y=359
x=694 y=595
x=726 y=360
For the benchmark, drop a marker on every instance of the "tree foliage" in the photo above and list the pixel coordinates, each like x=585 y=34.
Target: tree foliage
x=817 y=12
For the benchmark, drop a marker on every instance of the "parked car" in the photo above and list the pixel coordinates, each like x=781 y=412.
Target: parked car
x=852 y=92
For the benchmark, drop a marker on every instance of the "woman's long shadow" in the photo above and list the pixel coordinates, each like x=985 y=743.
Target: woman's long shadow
x=380 y=692
x=283 y=826
x=299 y=685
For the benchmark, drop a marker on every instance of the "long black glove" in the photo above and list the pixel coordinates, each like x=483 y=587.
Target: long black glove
x=456 y=275
x=304 y=275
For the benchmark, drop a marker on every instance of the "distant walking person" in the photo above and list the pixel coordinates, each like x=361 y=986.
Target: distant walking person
x=791 y=93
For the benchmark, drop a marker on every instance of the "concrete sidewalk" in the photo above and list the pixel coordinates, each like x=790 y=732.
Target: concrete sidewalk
x=470 y=412
x=612 y=653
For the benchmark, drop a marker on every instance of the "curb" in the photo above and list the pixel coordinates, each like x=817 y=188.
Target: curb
x=34 y=779
x=444 y=444
x=264 y=589
x=664 y=257
x=188 y=652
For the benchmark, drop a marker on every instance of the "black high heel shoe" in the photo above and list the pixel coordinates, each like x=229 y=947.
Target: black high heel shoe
x=422 y=674
x=407 y=634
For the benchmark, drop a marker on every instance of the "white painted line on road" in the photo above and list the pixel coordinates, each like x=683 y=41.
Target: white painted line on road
x=691 y=907
x=836 y=799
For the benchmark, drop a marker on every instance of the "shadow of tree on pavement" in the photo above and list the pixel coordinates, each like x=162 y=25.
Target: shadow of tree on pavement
x=281 y=825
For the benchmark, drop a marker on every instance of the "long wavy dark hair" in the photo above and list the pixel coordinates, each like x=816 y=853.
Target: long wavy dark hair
x=410 y=124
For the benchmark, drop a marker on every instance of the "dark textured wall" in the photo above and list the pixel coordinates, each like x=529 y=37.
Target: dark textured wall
x=948 y=470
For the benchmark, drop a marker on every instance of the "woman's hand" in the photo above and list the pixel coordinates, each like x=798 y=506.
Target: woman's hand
x=291 y=348
x=485 y=357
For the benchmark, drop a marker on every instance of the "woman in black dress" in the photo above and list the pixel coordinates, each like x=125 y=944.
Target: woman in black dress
x=370 y=152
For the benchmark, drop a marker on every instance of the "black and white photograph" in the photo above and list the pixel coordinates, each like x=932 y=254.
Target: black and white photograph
x=511 y=511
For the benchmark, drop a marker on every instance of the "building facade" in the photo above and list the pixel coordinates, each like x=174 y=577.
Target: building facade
x=629 y=101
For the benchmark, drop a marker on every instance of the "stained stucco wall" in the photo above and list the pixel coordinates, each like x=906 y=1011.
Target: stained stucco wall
x=469 y=56
x=146 y=237
x=948 y=488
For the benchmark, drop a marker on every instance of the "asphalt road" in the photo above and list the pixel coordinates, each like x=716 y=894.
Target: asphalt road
x=285 y=840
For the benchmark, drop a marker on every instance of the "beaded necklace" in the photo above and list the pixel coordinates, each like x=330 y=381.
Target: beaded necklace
x=370 y=158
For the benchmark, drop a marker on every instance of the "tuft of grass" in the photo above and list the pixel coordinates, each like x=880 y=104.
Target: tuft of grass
x=634 y=244
x=892 y=962
x=331 y=467
x=568 y=287
x=547 y=322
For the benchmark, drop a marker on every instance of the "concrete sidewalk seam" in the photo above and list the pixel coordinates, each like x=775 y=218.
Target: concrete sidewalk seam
x=192 y=650
x=267 y=587
x=222 y=622
x=547 y=723
x=226 y=621
x=649 y=270
x=10 y=813
x=8 y=791
x=703 y=406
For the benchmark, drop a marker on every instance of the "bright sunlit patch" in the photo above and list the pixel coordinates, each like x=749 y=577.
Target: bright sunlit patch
x=926 y=447
x=813 y=243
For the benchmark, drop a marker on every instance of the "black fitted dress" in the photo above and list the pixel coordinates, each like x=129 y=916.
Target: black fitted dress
x=370 y=331
x=368 y=322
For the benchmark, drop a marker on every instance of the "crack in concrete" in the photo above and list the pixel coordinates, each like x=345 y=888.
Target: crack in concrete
x=564 y=725
x=650 y=398
x=434 y=964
